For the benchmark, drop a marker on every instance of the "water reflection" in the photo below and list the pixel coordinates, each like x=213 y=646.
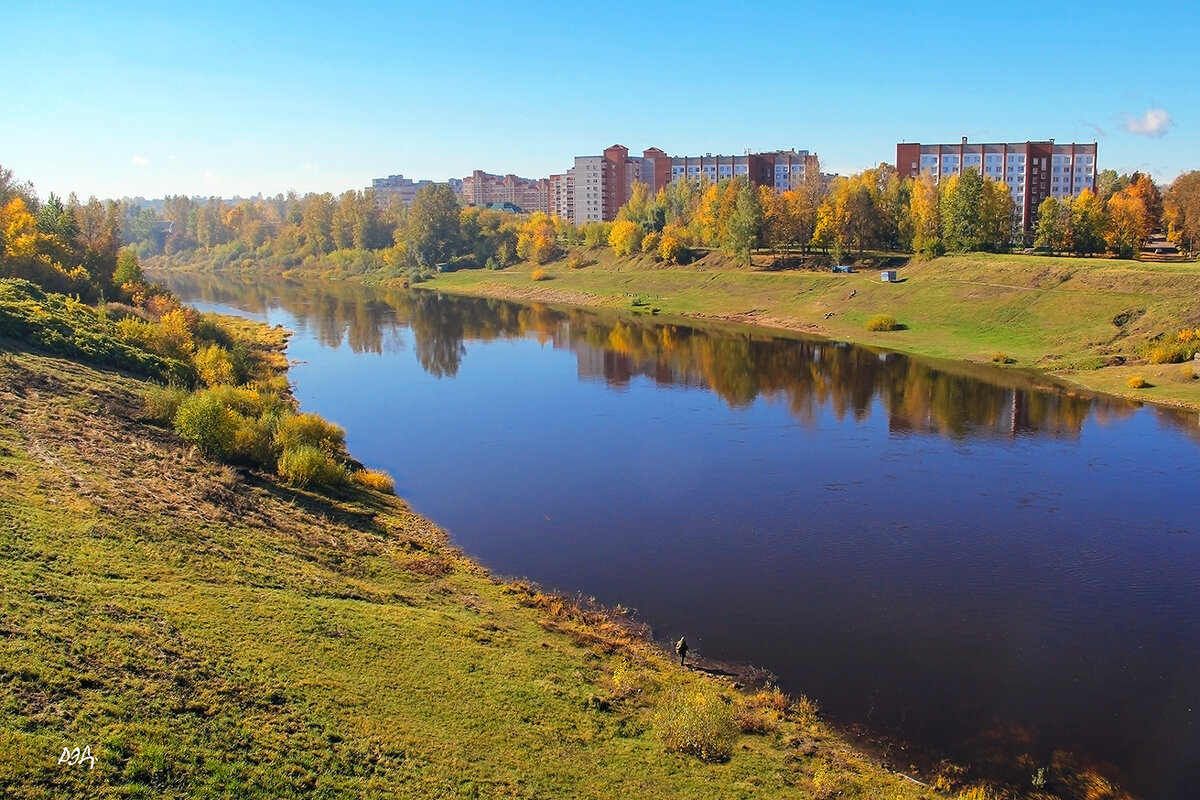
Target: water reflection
x=806 y=374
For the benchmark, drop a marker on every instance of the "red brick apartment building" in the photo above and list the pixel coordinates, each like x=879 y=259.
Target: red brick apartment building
x=1032 y=171
x=602 y=184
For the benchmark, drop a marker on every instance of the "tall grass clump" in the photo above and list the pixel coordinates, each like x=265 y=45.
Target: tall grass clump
x=304 y=465
x=162 y=402
x=696 y=722
x=761 y=712
x=374 y=479
x=310 y=451
x=309 y=429
x=882 y=322
x=209 y=424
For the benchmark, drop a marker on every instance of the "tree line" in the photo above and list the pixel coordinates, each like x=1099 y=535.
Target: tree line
x=76 y=247
x=876 y=209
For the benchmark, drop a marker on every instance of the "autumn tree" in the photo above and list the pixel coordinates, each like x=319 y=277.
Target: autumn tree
x=625 y=237
x=1181 y=210
x=851 y=215
x=595 y=234
x=893 y=198
x=316 y=224
x=490 y=237
x=926 y=217
x=1054 y=219
x=996 y=215
x=1143 y=189
x=649 y=213
x=537 y=238
x=42 y=258
x=672 y=247
x=682 y=198
x=211 y=230
x=962 y=198
x=342 y=220
x=1087 y=224
x=774 y=221
x=1126 y=223
x=824 y=234
x=433 y=232
x=708 y=222
x=744 y=223
x=129 y=268
x=812 y=192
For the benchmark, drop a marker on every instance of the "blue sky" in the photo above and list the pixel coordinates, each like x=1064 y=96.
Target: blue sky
x=124 y=99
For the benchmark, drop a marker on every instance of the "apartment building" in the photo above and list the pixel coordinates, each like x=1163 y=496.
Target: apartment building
x=1032 y=170
x=782 y=170
x=604 y=183
x=396 y=186
x=593 y=181
x=483 y=188
x=562 y=195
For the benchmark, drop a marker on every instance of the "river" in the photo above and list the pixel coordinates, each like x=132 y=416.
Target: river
x=968 y=561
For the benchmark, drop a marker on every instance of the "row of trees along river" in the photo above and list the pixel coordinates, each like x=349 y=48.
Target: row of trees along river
x=352 y=234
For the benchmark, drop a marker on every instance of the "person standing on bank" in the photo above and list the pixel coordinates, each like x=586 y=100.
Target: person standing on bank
x=681 y=648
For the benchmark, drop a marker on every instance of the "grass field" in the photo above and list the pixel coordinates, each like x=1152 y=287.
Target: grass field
x=1071 y=317
x=206 y=632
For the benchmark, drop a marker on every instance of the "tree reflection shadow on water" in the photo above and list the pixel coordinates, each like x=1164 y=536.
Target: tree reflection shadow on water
x=740 y=365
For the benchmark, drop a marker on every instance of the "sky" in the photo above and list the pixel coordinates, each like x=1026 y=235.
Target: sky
x=121 y=99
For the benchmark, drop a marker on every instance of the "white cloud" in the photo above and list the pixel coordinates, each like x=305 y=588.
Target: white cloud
x=1154 y=123
x=308 y=165
x=211 y=177
x=140 y=161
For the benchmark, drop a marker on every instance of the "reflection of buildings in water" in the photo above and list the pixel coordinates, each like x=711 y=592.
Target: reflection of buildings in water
x=1013 y=413
x=618 y=369
x=590 y=361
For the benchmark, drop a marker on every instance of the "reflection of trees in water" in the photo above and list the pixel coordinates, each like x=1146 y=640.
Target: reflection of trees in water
x=806 y=374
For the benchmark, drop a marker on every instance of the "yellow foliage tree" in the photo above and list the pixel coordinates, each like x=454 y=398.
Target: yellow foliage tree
x=926 y=216
x=537 y=238
x=1126 y=230
x=625 y=237
x=26 y=252
x=672 y=244
x=214 y=366
x=176 y=334
x=1181 y=210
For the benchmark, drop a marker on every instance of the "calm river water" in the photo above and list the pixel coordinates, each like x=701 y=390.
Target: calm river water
x=969 y=560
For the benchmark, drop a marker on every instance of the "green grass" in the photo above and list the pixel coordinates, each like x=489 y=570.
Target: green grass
x=211 y=633
x=1065 y=316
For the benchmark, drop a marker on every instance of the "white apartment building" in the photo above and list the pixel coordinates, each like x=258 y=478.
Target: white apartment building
x=590 y=174
x=562 y=195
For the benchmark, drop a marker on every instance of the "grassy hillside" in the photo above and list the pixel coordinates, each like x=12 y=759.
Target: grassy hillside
x=207 y=632
x=1091 y=321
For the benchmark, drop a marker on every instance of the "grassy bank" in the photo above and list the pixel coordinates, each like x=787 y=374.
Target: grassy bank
x=208 y=632
x=1089 y=321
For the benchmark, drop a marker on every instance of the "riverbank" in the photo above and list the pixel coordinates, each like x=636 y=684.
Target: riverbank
x=204 y=630
x=1086 y=321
